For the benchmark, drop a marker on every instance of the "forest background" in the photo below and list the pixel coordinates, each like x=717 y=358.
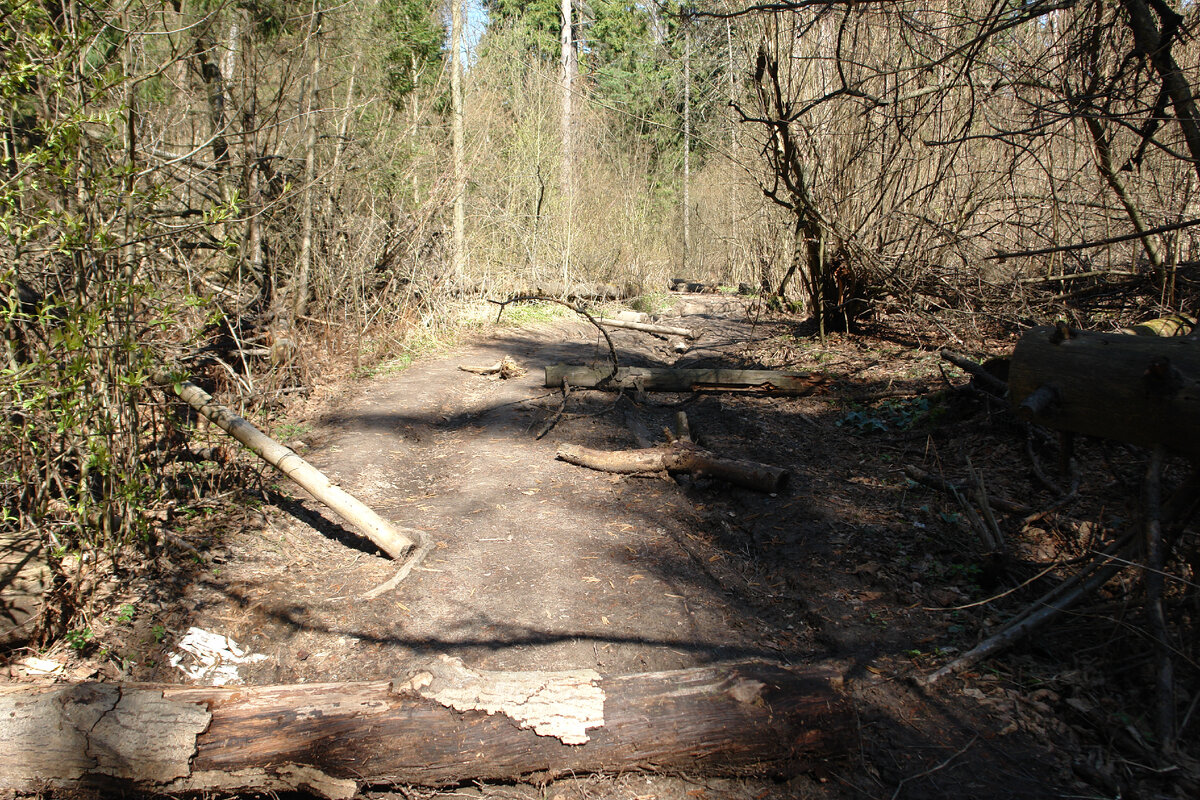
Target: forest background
x=225 y=188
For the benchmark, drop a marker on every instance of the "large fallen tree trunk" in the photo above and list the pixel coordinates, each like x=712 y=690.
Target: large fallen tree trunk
x=1139 y=389
x=683 y=380
x=677 y=457
x=437 y=725
x=391 y=539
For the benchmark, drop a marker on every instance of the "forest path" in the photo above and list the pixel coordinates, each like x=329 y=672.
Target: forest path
x=538 y=564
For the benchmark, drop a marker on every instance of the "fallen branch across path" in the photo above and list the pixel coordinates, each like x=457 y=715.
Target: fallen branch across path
x=391 y=539
x=680 y=456
x=684 y=380
x=441 y=723
x=644 y=327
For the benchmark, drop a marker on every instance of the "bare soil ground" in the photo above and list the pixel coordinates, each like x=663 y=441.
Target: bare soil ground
x=542 y=565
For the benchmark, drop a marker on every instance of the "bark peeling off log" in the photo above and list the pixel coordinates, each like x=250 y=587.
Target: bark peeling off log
x=97 y=730
x=744 y=718
x=559 y=704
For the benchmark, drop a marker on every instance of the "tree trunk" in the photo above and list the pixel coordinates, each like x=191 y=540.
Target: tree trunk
x=439 y=724
x=460 y=162
x=304 y=262
x=678 y=457
x=687 y=146
x=1139 y=389
x=567 y=42
x=684 y=380
x=1155 y=44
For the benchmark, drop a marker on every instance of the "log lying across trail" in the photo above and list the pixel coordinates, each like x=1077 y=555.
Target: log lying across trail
x=1139 y=389
x=646 y=327
x=664 y=379
x=677 y=457
x=391 y=539
x=439 y=724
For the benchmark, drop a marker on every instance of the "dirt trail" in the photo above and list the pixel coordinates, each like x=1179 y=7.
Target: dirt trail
x=537 y=565
x=542 y=565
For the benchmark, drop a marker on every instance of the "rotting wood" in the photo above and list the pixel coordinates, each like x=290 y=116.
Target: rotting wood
x=1139 y=389
x=645 y=327
x=391 y=539
x=679 y=456
x=664 y=379
x=440 y=723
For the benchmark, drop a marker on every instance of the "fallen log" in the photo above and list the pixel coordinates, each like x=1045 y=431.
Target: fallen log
x=439 y=724
x=391 y=539
x=680 y=456
x=645 y=327
x=663 y=379
x=1139 y=389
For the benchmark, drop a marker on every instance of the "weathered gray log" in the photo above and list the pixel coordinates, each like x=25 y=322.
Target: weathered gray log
x=391 y=539
x=680 y=456
x=645 y=327
x=439 y=724
x=1139 y=389
x=663 y=379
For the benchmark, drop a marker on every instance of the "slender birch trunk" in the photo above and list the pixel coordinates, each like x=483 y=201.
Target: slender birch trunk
x=460 y=163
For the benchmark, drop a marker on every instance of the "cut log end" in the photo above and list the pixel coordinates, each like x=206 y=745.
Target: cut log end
x=1139 y=389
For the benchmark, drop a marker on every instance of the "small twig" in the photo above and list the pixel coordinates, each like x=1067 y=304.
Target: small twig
x=934 y=769
x=410 y=563
x=995 y=597
x=918 y=475
x=981 y=497
x=566 y=392
x=1152 y=580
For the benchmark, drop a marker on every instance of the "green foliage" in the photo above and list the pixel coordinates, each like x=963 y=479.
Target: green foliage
x=891 y=414
x=537 y=24
x=79 y=639
x=412 y=37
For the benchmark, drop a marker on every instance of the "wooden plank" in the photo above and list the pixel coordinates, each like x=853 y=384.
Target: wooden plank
x=662 y=379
